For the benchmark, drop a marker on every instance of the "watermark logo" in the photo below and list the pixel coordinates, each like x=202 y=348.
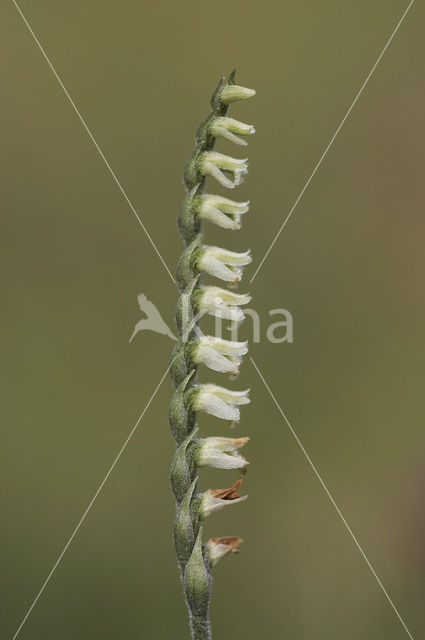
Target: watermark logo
x=153 y=320
x=279 y=331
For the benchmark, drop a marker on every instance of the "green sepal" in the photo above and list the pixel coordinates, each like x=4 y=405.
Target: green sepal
x=185 y=527
x=182 y=362
x=192 y=175
x=215 y=102
x=197 y=582
x=205 y=141
x=181 y=416
x=185 y=311
x=183 y=468
x=188 y=221
x=187 y=264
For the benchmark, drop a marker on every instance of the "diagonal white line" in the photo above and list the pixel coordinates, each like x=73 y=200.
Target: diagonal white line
x=331 y=141
x=92 y=501
x=347 y=526
x=111 y=171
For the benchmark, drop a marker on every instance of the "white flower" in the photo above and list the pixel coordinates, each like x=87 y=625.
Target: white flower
x=219 y=355
x=234 y=92
x=222 y=303
x=224 y=264
x=223 y=168
x=222 y=211
x=216 y=499
x=219 y=402
x=221 y=453
x=228 y=127
x=219 y=547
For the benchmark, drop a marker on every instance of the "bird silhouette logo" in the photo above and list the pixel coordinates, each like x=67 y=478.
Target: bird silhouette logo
x=153 y=320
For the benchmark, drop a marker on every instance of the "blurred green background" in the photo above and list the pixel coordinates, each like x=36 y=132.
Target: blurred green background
x=349 y=266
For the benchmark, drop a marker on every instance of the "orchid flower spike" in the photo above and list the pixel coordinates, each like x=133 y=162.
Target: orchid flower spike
x=193 y=348
x=219 y=402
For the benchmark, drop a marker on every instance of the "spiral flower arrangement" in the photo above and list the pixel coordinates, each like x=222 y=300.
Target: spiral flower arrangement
x=197 y=560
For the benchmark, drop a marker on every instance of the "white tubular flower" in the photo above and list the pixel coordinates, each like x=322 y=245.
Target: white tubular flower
x=220 y=355
x=216 y=499
x=223 y=264
x=222 y=211
x=222 y=303
x=219 y=547
x=228 y=127
x=223 y=168
x=219 y=402
x=222 y=453
x=234 y=92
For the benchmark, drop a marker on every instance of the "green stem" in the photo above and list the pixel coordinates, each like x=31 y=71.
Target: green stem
x=200 y=627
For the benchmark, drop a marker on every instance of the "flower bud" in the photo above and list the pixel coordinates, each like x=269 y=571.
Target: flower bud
x=227 y=170
x=228 y=127
x=233 y=92
x=221 y=453
x=217 y=548
x=217 y=499
x=218 y=401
